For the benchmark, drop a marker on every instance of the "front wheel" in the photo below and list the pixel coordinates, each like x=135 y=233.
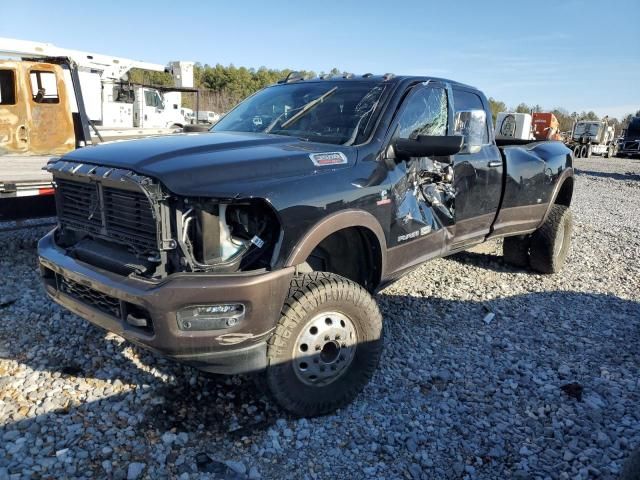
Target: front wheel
x=326 y=345
x=550 y=243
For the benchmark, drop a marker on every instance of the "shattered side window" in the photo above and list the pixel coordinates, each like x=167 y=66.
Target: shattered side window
x=425 y=114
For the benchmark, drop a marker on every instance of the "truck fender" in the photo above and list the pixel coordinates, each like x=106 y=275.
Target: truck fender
x=565 y=176
x=333 y=223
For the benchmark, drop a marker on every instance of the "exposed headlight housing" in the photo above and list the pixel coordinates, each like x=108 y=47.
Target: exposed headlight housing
x=226 y=237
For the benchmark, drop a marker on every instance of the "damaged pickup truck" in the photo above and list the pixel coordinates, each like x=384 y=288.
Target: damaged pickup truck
x=257 y=246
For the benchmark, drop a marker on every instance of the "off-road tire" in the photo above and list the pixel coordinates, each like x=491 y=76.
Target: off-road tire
x=515 y=250
x=550 y=243
x=311 y=295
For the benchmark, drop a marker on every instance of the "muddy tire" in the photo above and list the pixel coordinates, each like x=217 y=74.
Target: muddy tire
x=515 y=251
x=326 y=345
x=550 y=243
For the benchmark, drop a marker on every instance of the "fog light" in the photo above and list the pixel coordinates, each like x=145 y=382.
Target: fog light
x=210 y=317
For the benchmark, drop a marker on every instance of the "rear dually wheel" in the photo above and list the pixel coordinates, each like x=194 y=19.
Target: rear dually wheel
x=550 y=243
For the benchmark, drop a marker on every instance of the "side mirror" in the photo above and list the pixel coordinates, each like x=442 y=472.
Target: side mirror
x=472 y=126
x=427 y=146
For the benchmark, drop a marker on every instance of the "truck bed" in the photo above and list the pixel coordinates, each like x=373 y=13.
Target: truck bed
x=23 y=175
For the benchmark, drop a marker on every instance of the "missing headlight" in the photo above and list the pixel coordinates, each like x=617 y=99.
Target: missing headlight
x=228 y=236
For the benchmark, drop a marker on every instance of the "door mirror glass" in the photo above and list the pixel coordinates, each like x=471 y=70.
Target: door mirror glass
x=472 y=126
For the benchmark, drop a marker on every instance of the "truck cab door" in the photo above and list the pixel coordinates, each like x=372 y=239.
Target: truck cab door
x=52 y=130
x=14 y=119
x=477 y=177
x=153 y=115
x=415 y=230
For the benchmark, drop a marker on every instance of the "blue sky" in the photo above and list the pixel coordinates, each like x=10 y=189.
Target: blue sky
x=583 y=55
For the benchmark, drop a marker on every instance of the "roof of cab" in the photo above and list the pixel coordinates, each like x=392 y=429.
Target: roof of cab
x=387 y=77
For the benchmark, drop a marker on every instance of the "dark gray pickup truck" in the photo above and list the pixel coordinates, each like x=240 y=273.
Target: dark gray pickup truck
x=257 y=246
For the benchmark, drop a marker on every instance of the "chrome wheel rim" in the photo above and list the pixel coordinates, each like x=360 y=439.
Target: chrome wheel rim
x=324 y=349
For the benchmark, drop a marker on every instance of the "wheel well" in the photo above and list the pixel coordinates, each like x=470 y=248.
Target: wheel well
x=566 y=193
x=353 y=253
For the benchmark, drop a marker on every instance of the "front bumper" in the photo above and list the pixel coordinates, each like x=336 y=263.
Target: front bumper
x=106 y=297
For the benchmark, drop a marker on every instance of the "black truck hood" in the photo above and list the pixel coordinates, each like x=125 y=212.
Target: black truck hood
x=215 y=164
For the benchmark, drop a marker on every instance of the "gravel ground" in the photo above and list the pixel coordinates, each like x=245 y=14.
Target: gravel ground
x=488 y=372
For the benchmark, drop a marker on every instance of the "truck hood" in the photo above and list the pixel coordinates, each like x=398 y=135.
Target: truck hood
x=215 y=164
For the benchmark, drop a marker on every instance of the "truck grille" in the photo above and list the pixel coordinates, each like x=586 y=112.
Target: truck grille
x=79 y=205
x=115 y=214
x=631 y=145
x=89 y=296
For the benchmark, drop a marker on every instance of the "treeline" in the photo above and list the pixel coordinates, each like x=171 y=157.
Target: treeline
x=565 y=119
x=225 y=86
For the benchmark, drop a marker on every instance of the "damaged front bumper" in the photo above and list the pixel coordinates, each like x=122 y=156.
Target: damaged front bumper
x=146 y=312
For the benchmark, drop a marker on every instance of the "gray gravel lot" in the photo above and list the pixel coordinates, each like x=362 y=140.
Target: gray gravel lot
x=460 y=393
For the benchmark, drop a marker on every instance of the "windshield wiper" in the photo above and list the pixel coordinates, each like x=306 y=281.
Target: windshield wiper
x=305 y=108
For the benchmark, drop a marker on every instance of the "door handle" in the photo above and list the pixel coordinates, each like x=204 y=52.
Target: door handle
x=494 y=164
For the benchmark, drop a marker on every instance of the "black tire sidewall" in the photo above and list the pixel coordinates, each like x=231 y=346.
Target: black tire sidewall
x=313 y=400
x=543 y=257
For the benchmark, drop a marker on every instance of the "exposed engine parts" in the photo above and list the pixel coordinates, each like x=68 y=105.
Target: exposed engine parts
x=225 y=237
x=128 y=224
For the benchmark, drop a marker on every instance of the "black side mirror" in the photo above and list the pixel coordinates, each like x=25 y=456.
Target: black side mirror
x=427 y=146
